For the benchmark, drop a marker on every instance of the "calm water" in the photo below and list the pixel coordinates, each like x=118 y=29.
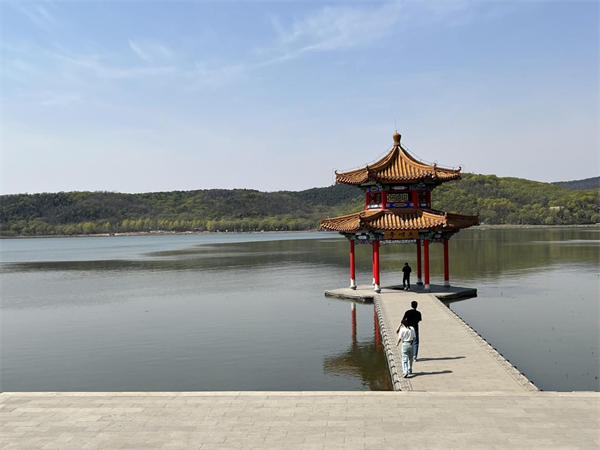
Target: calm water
x=247 y=311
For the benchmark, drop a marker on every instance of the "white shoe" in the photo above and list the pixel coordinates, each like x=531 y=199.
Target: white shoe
x=405 y=375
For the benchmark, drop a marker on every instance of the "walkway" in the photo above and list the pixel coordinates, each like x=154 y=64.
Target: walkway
x=452 y=356
x=300 y=420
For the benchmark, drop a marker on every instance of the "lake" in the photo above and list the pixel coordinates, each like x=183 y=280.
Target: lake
x=247 y=311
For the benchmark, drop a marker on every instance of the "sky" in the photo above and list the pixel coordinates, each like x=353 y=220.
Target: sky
x=146 y=96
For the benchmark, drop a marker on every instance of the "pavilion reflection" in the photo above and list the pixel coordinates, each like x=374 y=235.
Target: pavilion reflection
x=362 y=359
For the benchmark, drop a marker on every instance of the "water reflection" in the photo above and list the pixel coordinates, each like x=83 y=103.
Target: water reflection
x=473 y=253
x=362 y=359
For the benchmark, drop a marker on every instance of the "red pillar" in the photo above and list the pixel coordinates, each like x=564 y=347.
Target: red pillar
x=419 y=271
x=426 y=257
x=353 y=322
x=376 y=266
x=352 y=266
x=373 y=265
x=446 y=267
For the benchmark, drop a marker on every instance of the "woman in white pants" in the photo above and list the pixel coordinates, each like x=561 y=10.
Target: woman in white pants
x=406 y=335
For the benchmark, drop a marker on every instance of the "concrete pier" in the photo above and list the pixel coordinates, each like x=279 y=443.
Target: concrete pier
x=462 y=395
x=452 y=356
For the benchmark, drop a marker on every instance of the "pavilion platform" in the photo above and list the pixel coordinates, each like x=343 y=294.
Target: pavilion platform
x=365 y=293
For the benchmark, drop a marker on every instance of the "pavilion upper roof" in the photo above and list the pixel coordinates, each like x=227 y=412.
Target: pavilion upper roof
x=397 y=166
x=398 y=219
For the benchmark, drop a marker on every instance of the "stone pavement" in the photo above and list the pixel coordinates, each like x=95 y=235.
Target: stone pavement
x=452 y=356
x=300 y=420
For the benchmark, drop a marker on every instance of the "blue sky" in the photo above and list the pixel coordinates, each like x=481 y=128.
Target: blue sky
x=158 y=96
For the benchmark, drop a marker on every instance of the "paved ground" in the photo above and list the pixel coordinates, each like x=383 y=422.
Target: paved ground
x=300 y=420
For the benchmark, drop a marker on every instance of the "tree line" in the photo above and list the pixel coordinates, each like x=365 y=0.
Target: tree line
x=518 y=201
x=75 y=213
x=496 y=200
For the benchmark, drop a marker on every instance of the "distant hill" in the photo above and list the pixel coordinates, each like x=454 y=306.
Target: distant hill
x=580 y=185
x=518 y=201
x=496 y=200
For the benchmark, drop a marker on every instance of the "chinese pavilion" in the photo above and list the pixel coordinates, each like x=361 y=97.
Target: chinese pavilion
x=398 y=210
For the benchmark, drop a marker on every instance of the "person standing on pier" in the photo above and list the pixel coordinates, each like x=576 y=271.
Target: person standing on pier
x=406 y=270
x=406 y=335
x=414 y=317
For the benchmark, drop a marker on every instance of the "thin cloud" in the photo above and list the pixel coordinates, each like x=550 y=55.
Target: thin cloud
x=151 y=52
x=327 y=29
x=138 y=51
x=101 y=69
x=37 y=14
x=164 y=51
x=332 y=28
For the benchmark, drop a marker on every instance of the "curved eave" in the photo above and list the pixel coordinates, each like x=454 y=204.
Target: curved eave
x=345 y=224
x=354 y=178
x=397 y=166
x=393 y=220
x=460 y=222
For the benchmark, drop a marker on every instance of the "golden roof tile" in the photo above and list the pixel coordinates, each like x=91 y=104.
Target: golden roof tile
x=395 y=219
x=397 y=166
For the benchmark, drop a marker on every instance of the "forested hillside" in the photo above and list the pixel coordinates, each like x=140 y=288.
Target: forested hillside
x=517 y=201
x=204 y=210
x=496 y=200
x=580 y=185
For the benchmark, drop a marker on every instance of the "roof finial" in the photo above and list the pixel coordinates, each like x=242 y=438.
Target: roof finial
x=396 y=138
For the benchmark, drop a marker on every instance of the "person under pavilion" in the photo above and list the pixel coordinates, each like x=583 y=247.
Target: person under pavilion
x=398 y=210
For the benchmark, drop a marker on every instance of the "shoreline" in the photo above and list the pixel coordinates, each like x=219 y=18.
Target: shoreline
x=150 y=233
x=518 y=226
x=165 y=233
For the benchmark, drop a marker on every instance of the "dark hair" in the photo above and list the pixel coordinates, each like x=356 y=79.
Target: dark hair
x=405 y=322
x=406 y=264
x=413 y=304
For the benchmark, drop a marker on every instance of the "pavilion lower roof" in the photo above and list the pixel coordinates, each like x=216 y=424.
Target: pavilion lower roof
x=397 y=166
x=398 y=219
